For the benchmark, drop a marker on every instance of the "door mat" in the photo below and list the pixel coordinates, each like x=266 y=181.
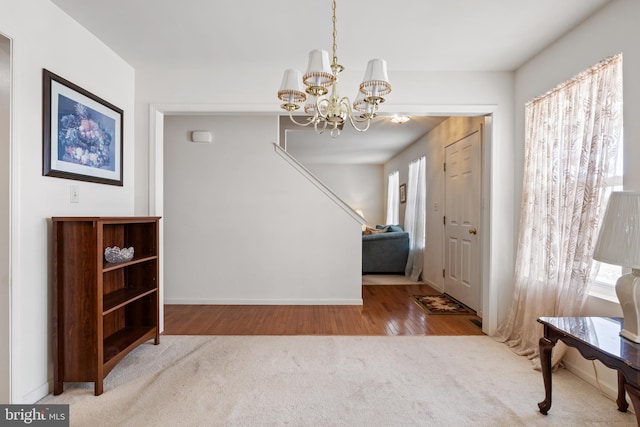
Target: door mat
x=441 y=304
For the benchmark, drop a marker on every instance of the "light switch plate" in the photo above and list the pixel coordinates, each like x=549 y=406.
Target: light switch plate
x=75 y=193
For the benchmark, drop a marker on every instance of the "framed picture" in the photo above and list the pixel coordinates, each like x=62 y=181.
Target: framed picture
x=82 y=134
x=403 y=193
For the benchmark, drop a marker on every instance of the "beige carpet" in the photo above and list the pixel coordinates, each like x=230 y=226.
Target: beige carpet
x=387 y=279
x=333 y=381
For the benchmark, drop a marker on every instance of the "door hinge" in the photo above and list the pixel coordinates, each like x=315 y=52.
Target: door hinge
x=444 y=166
x=443 y=273
x=444 y=220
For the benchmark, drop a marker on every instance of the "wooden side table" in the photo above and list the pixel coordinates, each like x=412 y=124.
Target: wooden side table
x=596 y=338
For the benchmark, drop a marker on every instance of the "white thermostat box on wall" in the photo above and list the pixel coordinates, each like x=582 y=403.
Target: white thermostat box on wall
x=201 y=136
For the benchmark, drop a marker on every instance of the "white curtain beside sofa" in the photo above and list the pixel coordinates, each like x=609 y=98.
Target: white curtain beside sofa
x=414 y=217
x=393 y=198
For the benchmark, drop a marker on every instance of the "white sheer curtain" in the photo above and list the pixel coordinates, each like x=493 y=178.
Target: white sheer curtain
x=571 y=136
x=393 y=202
x=414 y=217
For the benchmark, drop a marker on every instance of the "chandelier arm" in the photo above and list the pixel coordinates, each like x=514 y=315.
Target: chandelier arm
x=367 y=117
x=310 y=120
x=324 y=125
x=322 y=101
x=352 y=117
x=353 y=120
x=353 y=123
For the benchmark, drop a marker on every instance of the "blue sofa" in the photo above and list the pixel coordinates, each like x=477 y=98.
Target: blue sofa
x=385 y=252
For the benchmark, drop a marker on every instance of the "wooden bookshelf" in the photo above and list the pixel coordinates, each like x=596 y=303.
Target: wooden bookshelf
x=102 y=310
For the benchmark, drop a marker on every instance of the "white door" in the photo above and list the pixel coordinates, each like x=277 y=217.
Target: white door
x=462 y=220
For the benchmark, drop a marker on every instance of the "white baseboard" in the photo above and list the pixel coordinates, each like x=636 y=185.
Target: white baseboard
x=246 y=301
x=433 y=285
x=37 y=394
x=604 y=383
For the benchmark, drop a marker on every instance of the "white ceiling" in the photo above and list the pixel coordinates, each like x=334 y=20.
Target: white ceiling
x=412 y=35
x=409 y=34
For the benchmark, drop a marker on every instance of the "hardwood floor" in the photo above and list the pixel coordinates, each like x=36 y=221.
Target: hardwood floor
x=386 y=310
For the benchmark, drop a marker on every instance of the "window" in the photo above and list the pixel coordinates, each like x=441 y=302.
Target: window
x=393 y=201
x=571 y=139
x=608 y=274
x=414 y=217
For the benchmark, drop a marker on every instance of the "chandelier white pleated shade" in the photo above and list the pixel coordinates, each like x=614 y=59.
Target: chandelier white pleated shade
x=319 y=70
x=291 y=90
x=376 y=80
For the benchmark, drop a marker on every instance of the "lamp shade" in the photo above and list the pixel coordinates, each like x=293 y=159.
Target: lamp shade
x=311 y=107
x=376 y=80
x=619 y=239
x=318 y=69
x=291 y=89
x=361 y=105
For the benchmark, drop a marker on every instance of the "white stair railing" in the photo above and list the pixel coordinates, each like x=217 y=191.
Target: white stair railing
x=318 y=183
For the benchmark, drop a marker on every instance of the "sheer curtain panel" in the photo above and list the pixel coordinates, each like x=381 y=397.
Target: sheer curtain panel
x=414 y=217
x=571 y=137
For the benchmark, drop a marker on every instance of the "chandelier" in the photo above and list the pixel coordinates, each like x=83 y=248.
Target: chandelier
x=328 y=109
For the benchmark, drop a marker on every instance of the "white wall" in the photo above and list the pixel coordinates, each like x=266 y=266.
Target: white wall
x=45 y=37
x=612 y=30
x=241 y=226
x=5 y=82
x=360 y=186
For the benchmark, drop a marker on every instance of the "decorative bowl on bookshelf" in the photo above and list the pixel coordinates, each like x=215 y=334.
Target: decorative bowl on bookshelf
x=115 y=254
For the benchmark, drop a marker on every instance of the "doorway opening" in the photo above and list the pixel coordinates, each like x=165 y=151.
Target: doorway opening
x=490 y=295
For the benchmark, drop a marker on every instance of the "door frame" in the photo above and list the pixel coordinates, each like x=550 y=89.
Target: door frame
x=7 y=297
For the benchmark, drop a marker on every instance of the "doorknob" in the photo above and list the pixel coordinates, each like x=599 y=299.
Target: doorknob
x=473 y=231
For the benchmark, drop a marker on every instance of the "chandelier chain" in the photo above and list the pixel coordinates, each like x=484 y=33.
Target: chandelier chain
x=335 y=35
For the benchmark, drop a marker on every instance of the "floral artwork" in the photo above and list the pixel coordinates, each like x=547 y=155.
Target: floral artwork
x=82 y=134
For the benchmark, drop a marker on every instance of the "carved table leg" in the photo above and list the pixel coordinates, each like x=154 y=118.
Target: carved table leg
x=634 y=395
x=621 y=400
x=545 y=363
